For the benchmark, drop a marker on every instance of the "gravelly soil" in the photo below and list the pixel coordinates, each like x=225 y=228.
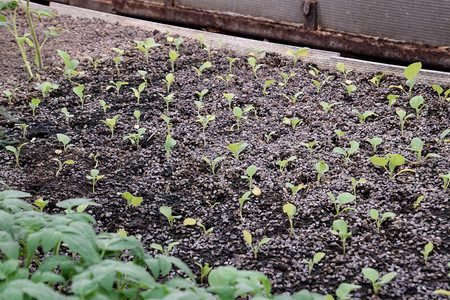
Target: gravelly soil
x=187 y=185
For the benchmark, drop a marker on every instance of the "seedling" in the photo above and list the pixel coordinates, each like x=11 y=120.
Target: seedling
x=442 y=136
x=446 y=179
x=426 y=251
x=132 y=201
x=95 y=62
x=168 y=37
x=363 y=116
x=377 y=79
x=297 y=54
x=116 y=85
x=373 y=276
x=417 y=103
x=237 y=112
x=220 y=42
x=241 y=201
x=209 y=51
x=403 y=117
x=354 y=146
x=24 y=129
x=137 y=115
x=340 y=66
x=237 y=148
x=317 y=258
x=10 y=94
x=319 y=85
x=167 y=120
x=326 y=107
x=439 y=91
x=355 y=183
x=62 y=164
x=118 y=59
x=111 y=123
x=340 y=229
x=293 y=122
x=167 y=99
x=95 y=178
x=41 y=203
x=339 y=134
x=392 y=100
x=292 y=99
x=103 y=105
x=227 y=78
x=167 y=212
x=69 y=66
x=342 y=198
x=78 y=90
x=67 y=115
x=192 y=222
x=313 y=71
x=137 y=92
x=251 y=170
x=248 y=240
x=199 y=105
x=411 y=72
x=95 y=158
x=375 y=142
x=170 y=143
x=204 y=271
x=166 y=250
x=258 y=53
x=269 y=136
x=178 y=42
x=135 y=137
x=266 y=85
x=286 y=77
x=344 y=289
x=290 y=210
x=418 y=200
x=202 y=93
x=373 y=213
x=65 y=140
x=16 y=152
x=200 y=38
x=283 y=163
x=33 y=104
x=168 y=81
x=254 y=65
x=249 y=108
x=295 y=189
x=204 y=121
x=146 y=46
x=229 y=97
x=394 y=160
x=321 y=168
x=213 y=163
x=350 y=88
x=143 y=74
x=45 y=88
x=203 y=67
x=417 y=146
x=309 y=145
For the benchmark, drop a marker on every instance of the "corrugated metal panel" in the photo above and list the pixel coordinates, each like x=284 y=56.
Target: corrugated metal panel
x=282 y=11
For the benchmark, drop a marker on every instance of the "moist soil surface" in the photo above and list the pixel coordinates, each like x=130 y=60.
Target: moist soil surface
x=186 y=183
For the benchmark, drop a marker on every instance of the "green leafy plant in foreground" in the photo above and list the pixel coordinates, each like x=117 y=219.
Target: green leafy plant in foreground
x=201 y=94
x=350 y=88
x=439 y=91
x=213 y=163
x=316 y=258
x=209 y=50
x=204 y=270
x=137 y=116
x=177 y=42
x=340 y=66
x=363 y=116
x=67 y=115
x=446 y=178
x=203 y=67
x=344 y=289
x=375 y=142
x=419 y=199
x=326 y=107
x=403 y=117
x=65 y=140
x=135 y=137
x=78 y=90
x=204 y=121
x=374 y=214
x=250 y=108
x=95 y=177
x=342 y=198
x=146 y=46
x=34 y=104
x=237 y=148
x=290 y=210
x=319 y=85
x=169 y=144
x=373 y=276
x=16 y=152
x=340 y=229
x=426 y=251
x=393 y=160
x=297 y=54
x=417 y=146
x=24 y=129
x=283 y=163
x=46 y=87
x=132 y=201
x=354 y=146
x=111 y=123
x=62 y=164
x=117 y=85
x=321 y=168
x=104 y=106
x=10 y=94
x=248 y=240
x=254 y=65
x=167 y=212
x=168 y=124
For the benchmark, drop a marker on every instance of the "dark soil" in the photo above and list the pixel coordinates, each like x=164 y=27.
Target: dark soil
x=187 y=185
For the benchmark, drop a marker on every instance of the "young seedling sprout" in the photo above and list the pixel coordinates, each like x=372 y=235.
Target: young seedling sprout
x=231 y=61
x=118 y=59
x=254 y=65
x=237 y=112
x=417 y=103
x=16 y=152
x=411 y=72
x=227 y=78
x=104 y=106
x=244 y=197
x=339 y=134
x=199 y=105
x=392 y=100
x=167 y=212
x=439 y=91
x=375 y=142
x=209 y=50
x=446 y=178
x=354 y=146
x=417 y=146
x=321 y=168
x=344 y=289
x=251 y=171
x=202 y=93
x=169 y=144
x=350 y=88
x=237 y=148
x=309 y=145
x=319 y=85
x=363 y=116
x=340 y=229
x=426 y=251
x=94 y=177
x=204 y=121
x=95 y=158
x=24 y=129
x=34 y=104
x=249 y=108
x=290 y=210
x=212 y=164
x=373 y=276
x=65 y=140
x=168 y=81
x=46 y=87
x=67 y=115
x=135 y=137
x=177 y=42
x=342 y=198
x=295 y=189
x=167 y=99
x=116 y=85
x=200 y=38
x=203 y=67
x=132 y=201
x=403 y=117
x=266 y=85
x=143 y=74
x=78 y=90
x=137 y=92
x=297 y=54
x=167 y=120
x=340 y=66
x=317 y=258
x=165 y=251
x=192 y=222
x=313 y=71
x=326 y=107
x=69 y=66
x=204 y=271
x=292 y=99
x=229 y=97
x=111 y=123
x=248 y=240
x=62 y=164
x=394 y=160
x=355 y=183
x=95 y=62
x=417 y=202
x=374 y=214
x=377 y=79
x=10 y=94
x=283 y=163
x=442 y=136
x=293 y=122
x=146 y=47
x=286 y=77
x=268 y=136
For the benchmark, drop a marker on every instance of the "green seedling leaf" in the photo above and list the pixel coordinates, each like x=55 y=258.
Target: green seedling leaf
x=204 y=66
x=131 y=200
x=237 y=148
x=65 y=140
x=375 y=142
x=297 y=54
x=326 y=107
x=344 y=289
x=427 y=250
x=283 y=163
x=392 y=100
x=411 y=72
x=321 y=168
x=290 y=210
x=417 y=103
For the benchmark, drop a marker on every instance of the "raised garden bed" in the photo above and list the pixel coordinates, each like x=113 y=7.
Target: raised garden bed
x=185 y=181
